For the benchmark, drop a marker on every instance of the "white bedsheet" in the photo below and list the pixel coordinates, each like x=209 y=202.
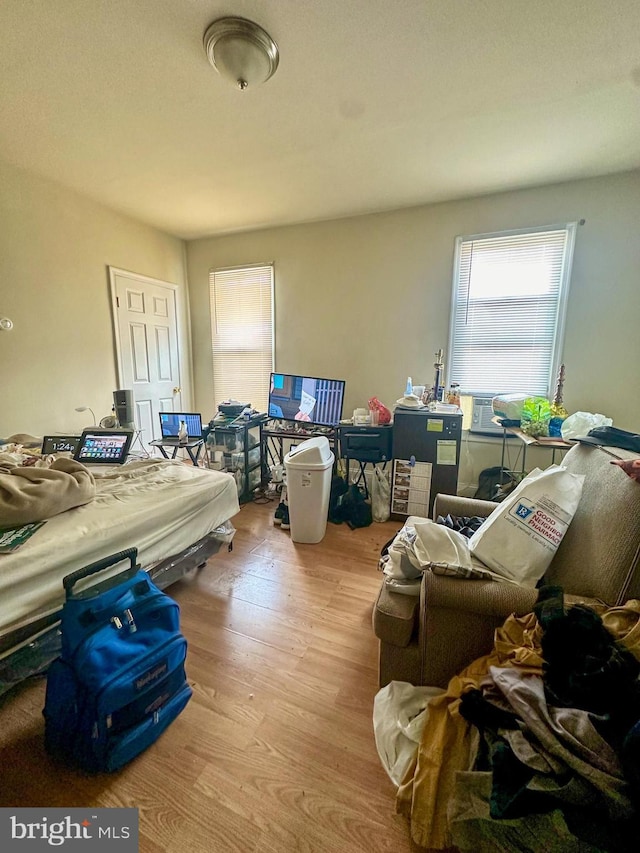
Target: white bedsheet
x=159 y=507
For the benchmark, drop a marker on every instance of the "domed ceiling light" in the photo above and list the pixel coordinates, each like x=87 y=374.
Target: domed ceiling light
x=241 y=51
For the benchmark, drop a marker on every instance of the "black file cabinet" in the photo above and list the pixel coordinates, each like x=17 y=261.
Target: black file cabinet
x=426 y=458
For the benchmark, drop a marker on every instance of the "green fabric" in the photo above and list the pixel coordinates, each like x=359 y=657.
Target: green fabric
x=474 y=831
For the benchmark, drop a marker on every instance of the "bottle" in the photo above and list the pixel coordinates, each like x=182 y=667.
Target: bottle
x=409 y=389
x=453 y=395
x=183 y=433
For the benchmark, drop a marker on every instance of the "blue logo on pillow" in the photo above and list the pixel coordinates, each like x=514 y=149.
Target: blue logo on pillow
x=523 y=511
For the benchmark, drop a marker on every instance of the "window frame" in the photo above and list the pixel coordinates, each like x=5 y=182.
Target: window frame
x=213 y=271
x=562 y=303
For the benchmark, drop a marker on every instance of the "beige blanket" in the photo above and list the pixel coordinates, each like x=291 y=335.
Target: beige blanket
x=34 y=494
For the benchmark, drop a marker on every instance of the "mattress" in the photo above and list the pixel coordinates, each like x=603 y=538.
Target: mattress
x=158 y=506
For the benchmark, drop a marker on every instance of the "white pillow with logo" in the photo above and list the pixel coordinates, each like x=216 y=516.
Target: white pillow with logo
x=520 y=537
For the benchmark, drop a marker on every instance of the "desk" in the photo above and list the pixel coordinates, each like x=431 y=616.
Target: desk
x=274 y=436
x=528 y=441
x=194 y=444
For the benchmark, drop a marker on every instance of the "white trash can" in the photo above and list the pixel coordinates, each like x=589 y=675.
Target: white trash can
x=309 y=467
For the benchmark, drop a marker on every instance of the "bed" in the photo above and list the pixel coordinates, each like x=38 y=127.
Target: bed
x=176 y=515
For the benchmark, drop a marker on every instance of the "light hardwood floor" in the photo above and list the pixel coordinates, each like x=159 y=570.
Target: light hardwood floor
x=275 y=751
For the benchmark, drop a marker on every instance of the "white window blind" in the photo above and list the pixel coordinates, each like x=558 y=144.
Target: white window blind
x=508 y=306
x=241 y=301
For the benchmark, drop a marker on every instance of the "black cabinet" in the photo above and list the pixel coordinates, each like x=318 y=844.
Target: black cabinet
x=426 y=458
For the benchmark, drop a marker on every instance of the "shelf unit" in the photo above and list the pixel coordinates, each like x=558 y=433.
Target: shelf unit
x=240 y=444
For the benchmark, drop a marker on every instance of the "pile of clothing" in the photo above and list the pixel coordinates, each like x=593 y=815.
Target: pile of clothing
x=537 y=745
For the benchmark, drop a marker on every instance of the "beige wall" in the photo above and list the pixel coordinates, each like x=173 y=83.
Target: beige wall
x=55 y=247
x=367 y=299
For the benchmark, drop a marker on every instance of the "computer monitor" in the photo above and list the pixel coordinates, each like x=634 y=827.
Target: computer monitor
x=170 y=424
x=306 y=399
x=103 y=447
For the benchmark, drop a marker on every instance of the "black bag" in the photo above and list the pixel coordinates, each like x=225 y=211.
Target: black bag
x=352 y=508
x=494 y=484
x=338 y=489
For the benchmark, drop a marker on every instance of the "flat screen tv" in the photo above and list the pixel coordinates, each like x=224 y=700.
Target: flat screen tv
x=306 y=399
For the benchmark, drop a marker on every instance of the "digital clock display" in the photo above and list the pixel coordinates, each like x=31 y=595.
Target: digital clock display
x=60 y=444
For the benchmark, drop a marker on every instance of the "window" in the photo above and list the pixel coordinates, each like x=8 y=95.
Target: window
x=507 y=312
x=241 y=302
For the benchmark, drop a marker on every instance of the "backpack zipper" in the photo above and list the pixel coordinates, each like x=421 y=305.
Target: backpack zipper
x=117 y=622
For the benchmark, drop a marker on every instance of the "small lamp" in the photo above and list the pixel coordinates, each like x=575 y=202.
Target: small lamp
x=87 y=409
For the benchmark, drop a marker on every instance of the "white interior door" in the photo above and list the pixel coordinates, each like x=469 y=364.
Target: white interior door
x=147 y=345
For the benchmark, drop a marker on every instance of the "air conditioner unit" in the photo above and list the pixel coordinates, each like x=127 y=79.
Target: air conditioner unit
x=481 y=415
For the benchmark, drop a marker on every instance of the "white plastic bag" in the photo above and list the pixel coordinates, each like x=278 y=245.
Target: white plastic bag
x=520 y=537
x=380 y=495
x=399 y=715
x=509 y=406
x=578 y=424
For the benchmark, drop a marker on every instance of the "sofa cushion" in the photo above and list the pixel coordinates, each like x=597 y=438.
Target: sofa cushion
x=598 y=557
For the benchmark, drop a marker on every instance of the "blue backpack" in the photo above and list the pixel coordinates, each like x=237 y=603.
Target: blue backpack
x=120 y=679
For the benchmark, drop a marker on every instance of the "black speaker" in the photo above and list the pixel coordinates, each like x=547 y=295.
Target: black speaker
x=123 y=403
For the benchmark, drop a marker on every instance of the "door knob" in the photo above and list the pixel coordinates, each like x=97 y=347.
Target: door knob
x=177 y=390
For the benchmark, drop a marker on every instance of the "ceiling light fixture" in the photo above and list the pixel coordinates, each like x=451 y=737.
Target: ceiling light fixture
x=241 y=51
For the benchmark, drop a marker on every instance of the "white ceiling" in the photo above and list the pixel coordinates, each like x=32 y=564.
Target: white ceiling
x=376 y=104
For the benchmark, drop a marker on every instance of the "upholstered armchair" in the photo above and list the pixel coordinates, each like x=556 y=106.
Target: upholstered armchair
x=430 y=639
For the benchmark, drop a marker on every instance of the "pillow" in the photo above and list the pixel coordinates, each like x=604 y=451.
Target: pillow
x=520 y=537
x=424 y=545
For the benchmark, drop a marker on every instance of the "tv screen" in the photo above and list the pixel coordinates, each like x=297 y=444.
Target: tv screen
x=306 y=399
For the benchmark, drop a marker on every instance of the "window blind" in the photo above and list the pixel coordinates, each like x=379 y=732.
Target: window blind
x=508 y=307
x=241 y=302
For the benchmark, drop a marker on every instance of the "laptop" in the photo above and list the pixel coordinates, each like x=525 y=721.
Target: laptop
x=59 y=444
x=103 y=447
x=170 y=424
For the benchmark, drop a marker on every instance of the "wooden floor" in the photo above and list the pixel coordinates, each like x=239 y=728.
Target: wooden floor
x=275 y=751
